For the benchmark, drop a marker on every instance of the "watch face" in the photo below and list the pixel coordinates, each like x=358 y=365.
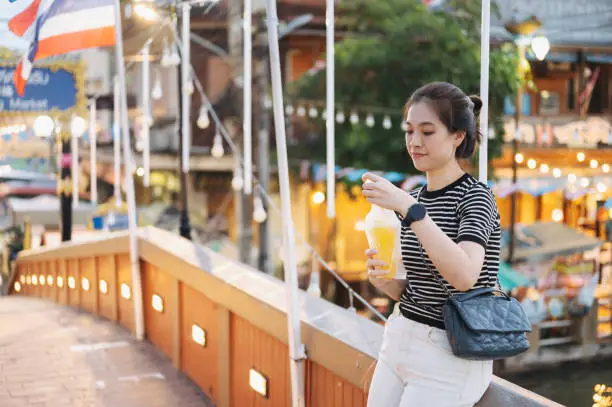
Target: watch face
x=417 y=212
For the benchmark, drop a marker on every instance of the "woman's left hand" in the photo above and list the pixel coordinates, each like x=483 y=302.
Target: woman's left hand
x=383 y=193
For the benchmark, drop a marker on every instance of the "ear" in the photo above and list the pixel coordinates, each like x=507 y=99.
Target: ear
x=458 y=138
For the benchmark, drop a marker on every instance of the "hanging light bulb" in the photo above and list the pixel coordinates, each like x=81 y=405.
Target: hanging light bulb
x=156 y=93
x=556 y=172
x=340 y=117
x=301 y=111
x=370 y=120
x=491 y=133
x=387 y=123
x=189 y=87
x=354 y=118
x=174 y=59
x=165 y=60
x=593 y=164
x=605 y=168
x=312 y=112
x=544 y=168
x=404 y=126
x=267 y=102
x=259 y=213
x=217 y=148
x=584 y=182
x=237 y=181
x=324 y=115
x=580 y=156
x=289 y=110
x=203 y=119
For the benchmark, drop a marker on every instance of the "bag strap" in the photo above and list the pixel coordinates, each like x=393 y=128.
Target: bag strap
x=497 y=286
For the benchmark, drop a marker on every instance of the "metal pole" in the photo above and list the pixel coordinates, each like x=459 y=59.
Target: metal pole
x=93 y=159
x=146 y=114
x=117 y=141
x=247 y=96
x=483 y=163
x=65 y=185
x=74 y=140
x=331 y=108
x=263 y=162
x=296 y=348
x=129 y=180
x=515 y=141
x=184 y=127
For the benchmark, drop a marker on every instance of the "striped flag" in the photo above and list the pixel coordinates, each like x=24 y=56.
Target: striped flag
x=60 y=27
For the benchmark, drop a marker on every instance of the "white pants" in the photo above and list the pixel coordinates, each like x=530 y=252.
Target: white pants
x=416 y=368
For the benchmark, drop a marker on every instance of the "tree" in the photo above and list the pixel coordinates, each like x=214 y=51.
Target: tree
x=394 y=47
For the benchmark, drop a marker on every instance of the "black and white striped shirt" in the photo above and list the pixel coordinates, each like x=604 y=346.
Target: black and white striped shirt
x=466 y=211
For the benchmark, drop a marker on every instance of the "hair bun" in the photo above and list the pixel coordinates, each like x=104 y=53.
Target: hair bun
x=477 y=101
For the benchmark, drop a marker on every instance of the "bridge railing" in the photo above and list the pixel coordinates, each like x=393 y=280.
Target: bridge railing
x=221 y=322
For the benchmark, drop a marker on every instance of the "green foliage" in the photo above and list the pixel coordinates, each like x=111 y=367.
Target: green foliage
x=395 y=47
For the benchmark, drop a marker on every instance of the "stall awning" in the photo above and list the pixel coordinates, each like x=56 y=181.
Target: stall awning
x=509 y=279
x=545 y=240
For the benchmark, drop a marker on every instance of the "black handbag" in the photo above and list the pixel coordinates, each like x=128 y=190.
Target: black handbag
x=484 y=323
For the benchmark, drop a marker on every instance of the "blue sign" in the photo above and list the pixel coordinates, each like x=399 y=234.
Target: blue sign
x=47 y=89
x=510 y=105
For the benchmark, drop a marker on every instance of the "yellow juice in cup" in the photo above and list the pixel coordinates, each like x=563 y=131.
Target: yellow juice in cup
x=381 y=227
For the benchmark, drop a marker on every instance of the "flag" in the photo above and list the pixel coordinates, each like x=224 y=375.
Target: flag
x=60 y=27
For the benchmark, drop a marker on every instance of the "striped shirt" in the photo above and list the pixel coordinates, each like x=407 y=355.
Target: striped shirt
x=466 y=211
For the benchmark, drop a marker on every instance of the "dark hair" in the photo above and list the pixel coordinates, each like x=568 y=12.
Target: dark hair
x=458 y=112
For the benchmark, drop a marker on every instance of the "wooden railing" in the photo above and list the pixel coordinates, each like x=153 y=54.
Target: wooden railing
x=219 y=320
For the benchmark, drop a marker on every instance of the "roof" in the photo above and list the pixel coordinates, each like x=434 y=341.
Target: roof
x=564 y=22
x=545 y=240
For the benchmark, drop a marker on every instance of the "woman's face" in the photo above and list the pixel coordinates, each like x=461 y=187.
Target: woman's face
x=428 y=141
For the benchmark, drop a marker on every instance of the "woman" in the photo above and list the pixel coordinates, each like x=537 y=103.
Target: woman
x=450 y=243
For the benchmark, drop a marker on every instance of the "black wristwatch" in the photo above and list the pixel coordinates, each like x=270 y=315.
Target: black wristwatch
x=415 y=213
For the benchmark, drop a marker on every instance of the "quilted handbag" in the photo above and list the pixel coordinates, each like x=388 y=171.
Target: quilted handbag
x=486 y=324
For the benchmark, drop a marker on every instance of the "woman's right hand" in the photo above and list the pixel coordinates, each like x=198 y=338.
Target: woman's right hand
x=375 y=270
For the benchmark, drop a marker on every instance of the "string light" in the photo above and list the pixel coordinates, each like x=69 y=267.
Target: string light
x=370 y=120
x=571 y=178
x=217 y=148
x=340 y=117
x=594 y=164
x=156 y=93
x=557 y=215
x=601 y=187
x=354 y=118
x=531 y=163
x=289 y=110
x=580 y=156
x=544 y=168
x=387 y=123
x=605 y=168
x=301 y=111
x=556 y=172
x=237 y=181
x=584 y=182
x=203 y=119
x=312 y=112
x=259 y=213
x=519 y=158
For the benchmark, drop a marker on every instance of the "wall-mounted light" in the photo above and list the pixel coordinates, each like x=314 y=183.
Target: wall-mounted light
x=71 y=283
x=34 y=279
x=17 y=286
x=198 y=335
x=126 y=291
x=158 y=303
x=258 y=382
x=50 y=280
x=103 y=287
x=85 y=284
x=60 y=281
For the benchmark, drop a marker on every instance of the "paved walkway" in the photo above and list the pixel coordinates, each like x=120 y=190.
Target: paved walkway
x=54 y=356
